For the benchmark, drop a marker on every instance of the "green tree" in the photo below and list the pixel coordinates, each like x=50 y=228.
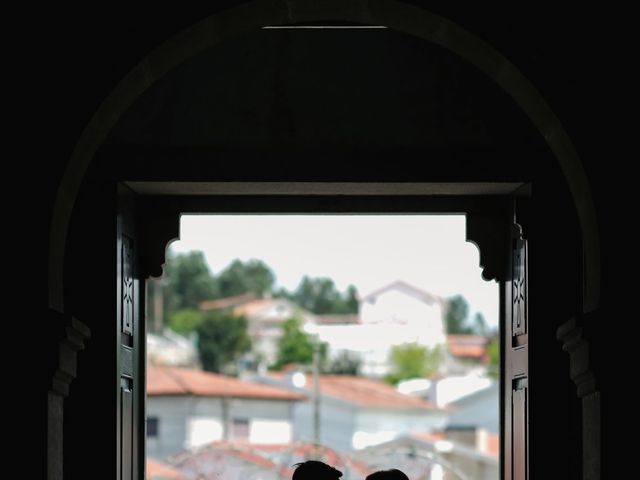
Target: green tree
x=411 y=360
x=296 y=346
x=185 y=321
x=253 y=276
x=188 y=282
x=493 y=350
x=320 y=296
x=345 y=363
x=479 y=325
x=222 y=339
x=456 y=316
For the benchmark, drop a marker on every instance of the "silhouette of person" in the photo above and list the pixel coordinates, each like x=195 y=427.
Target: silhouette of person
x=392 y=474
x=315 y=470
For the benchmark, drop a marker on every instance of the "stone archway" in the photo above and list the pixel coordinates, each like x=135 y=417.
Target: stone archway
x=413 y=20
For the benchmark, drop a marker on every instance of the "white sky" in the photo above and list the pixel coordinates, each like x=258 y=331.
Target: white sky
x=368 y=251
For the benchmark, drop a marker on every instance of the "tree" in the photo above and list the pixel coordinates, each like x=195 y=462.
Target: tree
x=493 y=350
x=296 y=346
x=222 y=338
x=456 y=316
x=479 y=325
x=345 y=363
x=320 y=296
x=411 y=360
x=253 y=276
x=188 y=282
x=185 y=321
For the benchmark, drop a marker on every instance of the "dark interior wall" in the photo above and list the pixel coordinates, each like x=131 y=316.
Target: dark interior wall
x=394 y=108
x=328 y=105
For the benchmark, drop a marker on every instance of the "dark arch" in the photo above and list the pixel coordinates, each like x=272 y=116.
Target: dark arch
x=394 y=14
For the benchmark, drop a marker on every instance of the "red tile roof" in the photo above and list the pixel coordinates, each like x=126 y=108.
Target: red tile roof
x=184 y=381
x=227 y=302
x=250 y=308
x=474 y=346
x=159 y=470
x=271 y=457
x=369 y=393
x=301 y=451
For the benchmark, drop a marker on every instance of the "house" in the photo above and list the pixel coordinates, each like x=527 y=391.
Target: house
x=395 y=314
x=235 y=460
x=222 y=460
x=466 y=353
x=187 y=408
x=478 y=410
x=433 y=455
x=355 y=412
x=172 y=349
x=265 y=317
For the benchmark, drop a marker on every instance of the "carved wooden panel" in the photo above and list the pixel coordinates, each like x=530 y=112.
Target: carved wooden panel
x=516 y=355
x=127 y=420
x=519 y=428
x=519 y=286
x=127 y=285
x=131 y=337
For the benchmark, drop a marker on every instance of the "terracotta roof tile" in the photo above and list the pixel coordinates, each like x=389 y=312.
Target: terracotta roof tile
x=467 y=345
x=250 y=308
x=159 y=470
x=369 y=393
x=184 y=381
x=227 y=302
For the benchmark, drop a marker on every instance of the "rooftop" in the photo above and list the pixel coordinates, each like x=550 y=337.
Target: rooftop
x=184 y=381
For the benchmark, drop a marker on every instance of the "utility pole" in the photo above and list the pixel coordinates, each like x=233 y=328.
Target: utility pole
x=316 y=397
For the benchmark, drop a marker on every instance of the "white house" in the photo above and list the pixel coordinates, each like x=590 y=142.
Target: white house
x=479 y=410
x=265 y=317
x=395 y=314
x=172 y=349
x=356 y=412
x=188 y=408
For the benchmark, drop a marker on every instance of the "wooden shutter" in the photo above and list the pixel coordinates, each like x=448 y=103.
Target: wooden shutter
x=516 y=359
x=131 y=343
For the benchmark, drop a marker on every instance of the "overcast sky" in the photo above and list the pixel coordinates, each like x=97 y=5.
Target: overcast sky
x=428 y=251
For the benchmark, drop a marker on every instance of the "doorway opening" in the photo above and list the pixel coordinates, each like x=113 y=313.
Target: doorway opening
x=367 y=341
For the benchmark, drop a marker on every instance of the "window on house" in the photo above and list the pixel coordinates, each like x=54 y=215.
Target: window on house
x=240 y=428
x=153 y=427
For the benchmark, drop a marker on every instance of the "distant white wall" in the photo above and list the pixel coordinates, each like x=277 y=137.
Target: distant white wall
x=346 y=427
x=421 y=322
x=172 y=413
x=374 y=426
x=337 y=422
x=372 y=343
x=187 y=421
x=203 y=430
x=481 y=410
x=394 y=318
x=270 y=431
x=453 y=388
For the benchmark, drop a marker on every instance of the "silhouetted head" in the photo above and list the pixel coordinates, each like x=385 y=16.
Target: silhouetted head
x=393 y=474
x=315 y=470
